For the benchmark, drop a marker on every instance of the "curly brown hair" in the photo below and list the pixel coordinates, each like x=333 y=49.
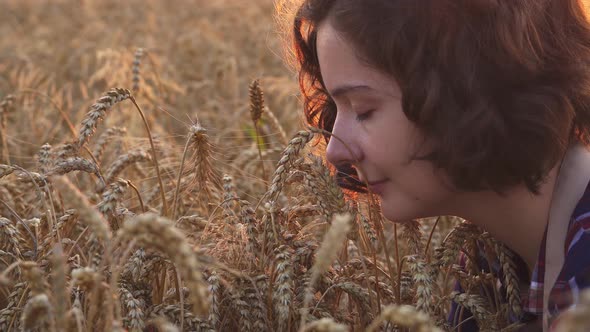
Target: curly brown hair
x=501 y=86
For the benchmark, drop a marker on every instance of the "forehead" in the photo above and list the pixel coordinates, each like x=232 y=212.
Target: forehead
x=341 y=65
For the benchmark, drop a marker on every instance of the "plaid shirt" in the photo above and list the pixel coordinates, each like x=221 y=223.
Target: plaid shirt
x=573 y=277
x=575 y=273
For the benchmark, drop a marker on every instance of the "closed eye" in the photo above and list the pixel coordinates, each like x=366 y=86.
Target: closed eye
x=364 y=116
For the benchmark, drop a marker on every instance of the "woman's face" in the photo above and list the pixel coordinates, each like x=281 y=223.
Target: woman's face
x=370 y=121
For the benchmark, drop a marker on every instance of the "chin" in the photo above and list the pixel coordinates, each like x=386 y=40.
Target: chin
x=401 y=212
x=397 y=215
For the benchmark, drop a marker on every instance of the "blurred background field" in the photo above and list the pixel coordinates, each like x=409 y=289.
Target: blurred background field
x=200 y=58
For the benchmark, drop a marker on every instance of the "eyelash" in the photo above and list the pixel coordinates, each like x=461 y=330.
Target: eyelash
x=364 y=116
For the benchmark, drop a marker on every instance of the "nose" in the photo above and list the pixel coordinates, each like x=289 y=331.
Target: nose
x=343 y=147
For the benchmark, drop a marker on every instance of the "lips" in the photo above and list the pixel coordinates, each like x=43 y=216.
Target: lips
x=378 y=187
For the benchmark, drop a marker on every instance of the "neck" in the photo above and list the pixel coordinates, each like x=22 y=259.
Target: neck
x=517 y=219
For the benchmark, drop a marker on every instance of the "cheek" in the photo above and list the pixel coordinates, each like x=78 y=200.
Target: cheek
x=396 y=137
x=415 y=193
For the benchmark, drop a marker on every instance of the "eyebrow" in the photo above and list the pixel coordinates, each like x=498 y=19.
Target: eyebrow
x=345 y=89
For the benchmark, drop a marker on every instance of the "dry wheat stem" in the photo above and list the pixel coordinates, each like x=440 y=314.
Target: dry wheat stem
x=130 y=184
x=430 y=239
x=154 y=156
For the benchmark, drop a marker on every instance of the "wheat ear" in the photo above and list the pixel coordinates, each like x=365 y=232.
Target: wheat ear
x=280 y=175
x=506 y=258
x=477 y=305
x=423 y=282
x=333 y=242
x=406 y=316
x=61 y=299
x=136 y=63
x=124 y=161
x=6 y=105
x=577 y=318
x=10 y=237
x=159 y=233
x=104 y=139
x=44 y=158
x=88 y=214
x=256 y=110
x=38 y=310
x=97 y=112
x=199 y=162
x=283 y=291
x=325 y=325
x=5 y=170
x=198 y=140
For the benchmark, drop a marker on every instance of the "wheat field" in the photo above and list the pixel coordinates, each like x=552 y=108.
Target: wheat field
x=156 y=174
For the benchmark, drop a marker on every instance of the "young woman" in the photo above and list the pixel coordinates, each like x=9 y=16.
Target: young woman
x=473 y=108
